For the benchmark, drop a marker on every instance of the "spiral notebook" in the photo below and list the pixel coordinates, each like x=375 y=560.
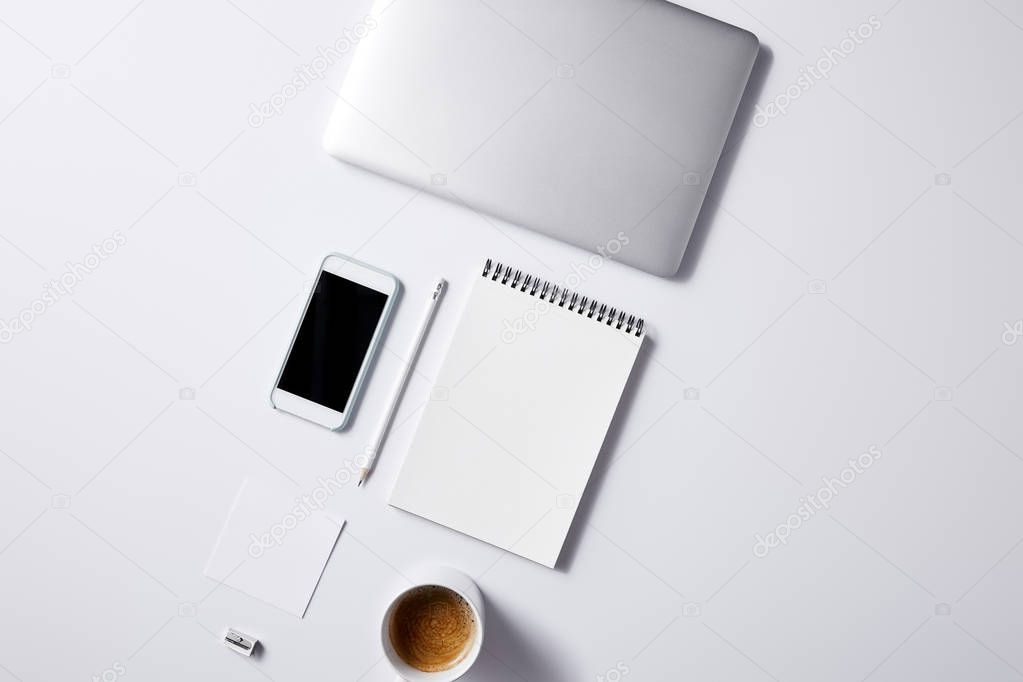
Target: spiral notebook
x=519 y=413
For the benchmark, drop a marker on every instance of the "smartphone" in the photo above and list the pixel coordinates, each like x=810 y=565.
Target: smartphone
x=329 y=356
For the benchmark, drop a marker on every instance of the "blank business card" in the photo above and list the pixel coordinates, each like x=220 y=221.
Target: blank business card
x=274 y=545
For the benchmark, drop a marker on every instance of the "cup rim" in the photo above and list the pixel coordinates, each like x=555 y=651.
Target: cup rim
x=403 y=668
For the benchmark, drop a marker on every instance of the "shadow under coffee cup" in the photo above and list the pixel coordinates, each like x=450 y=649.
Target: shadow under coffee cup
x=433 y=631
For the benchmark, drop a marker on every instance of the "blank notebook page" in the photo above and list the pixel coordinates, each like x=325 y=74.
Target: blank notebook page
x=517 y=418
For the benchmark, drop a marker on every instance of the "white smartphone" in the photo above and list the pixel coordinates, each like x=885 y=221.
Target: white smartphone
x=342 y=326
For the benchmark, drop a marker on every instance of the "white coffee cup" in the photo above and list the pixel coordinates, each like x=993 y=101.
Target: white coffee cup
x=462 y=585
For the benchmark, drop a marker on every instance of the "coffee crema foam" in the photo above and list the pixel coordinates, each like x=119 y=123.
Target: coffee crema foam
x=432 y=628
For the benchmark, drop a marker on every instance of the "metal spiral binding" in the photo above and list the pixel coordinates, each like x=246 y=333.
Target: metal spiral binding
x=563 y=298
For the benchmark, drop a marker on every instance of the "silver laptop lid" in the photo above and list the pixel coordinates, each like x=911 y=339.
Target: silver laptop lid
x=592 y=121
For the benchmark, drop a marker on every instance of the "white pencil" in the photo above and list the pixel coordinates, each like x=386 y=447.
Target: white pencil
x=399 y=388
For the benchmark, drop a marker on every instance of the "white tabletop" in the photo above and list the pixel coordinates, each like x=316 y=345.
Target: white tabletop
x=853 y=288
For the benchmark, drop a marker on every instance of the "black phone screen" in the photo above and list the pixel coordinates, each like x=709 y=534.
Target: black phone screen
x=332 y=341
